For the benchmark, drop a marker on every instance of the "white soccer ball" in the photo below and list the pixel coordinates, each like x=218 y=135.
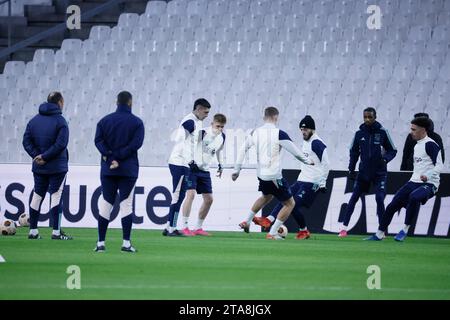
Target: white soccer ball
x=24 y=220
x=8 y=228
x=282 y=231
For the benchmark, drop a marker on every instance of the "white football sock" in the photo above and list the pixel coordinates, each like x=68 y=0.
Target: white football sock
x=250 y=217
x=126 y=243
x=56 y=233
x=185 y=221
x=344 y=228
x=379 y=234
x=276 y=225
x=406 y=228
x=171 y=229
x=34 y=232
x=199 y=223
x=271 y=218
x=303 y=229
x=100 y=243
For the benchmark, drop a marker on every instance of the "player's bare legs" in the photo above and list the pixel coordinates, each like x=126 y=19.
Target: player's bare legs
x=283 y=215
x=187 y=207
x=260 y=203
x=204 y=209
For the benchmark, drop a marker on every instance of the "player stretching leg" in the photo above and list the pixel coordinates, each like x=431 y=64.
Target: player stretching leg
x=269 y=140
x=311 y=180
x=423 y=184
x=211 y=144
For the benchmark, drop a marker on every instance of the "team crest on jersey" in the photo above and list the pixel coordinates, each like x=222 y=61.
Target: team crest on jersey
x=417 y=159
x=377 y=138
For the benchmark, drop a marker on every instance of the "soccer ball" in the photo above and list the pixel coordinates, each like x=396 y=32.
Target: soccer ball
x=8 y=228
x=24 y=220
x=282 y=231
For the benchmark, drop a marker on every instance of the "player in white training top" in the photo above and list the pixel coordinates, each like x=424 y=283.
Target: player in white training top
x=268 y=141
x=423 y=184
x=210 y=144
x=311 y=180
x=182 y=158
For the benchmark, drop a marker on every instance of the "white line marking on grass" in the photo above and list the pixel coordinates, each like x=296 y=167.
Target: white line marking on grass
x=2 y=259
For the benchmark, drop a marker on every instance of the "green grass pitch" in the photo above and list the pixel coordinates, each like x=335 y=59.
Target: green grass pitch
x=228 y=265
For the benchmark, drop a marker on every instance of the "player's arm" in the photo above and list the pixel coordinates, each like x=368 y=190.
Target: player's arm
x=133 y=146
x=434 y=152
x=248 y=143
x=389 y=147
x=28 y=143
x=354 y=153
x=219 y=156
x=438 y=140
x=320 y=149
x=100 y=142
x=62 y=139
x=289 y=146
x=408 y=151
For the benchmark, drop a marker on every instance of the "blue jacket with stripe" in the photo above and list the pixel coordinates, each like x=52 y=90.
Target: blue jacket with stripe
x=47 y=134
x=119 y=136
x=375 y=148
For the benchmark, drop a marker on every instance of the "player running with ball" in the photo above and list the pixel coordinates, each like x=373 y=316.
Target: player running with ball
x=311 y=180
x=268 y=141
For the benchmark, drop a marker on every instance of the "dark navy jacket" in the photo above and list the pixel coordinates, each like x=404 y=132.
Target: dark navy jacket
x=368 y=144
x=119 y=136
x=48 y=134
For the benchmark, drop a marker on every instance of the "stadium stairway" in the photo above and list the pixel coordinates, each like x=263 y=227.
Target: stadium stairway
x=38 y=18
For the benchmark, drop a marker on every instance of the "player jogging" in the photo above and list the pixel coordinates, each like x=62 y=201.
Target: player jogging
x=268 y=141
x=311 y=180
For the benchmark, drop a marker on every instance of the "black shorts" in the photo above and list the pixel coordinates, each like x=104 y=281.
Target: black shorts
x=278 y=188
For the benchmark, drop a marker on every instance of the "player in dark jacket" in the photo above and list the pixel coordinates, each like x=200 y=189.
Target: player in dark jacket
x=45 y=140
x=410 y=143
x=373 y=145
x=118 y=137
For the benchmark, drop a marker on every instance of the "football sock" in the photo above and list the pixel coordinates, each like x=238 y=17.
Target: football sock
x=276 y=225
x=34 y=232
x=126 y=226
x=406 y=228
x=379 y=234
x=199 y=223
x=56 y=232
x=126 y=243
x=100 y=243
x=271 y=218
x=303 y=229
x=185 y=221
x=171 y=229
x=344 y=227
x=102 y=227
x=250 y=217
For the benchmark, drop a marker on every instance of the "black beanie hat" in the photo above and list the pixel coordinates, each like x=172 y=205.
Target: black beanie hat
x=307 y=122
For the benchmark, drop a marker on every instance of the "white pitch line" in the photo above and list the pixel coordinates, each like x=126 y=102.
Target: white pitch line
x=2 y=259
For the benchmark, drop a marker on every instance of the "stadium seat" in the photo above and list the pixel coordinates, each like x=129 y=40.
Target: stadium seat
x=156 y=7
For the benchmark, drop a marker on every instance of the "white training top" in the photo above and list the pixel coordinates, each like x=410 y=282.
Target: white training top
x=268 y=140
x=427 y=162
x=185 y=139
x=316 y=150
x=210 y=145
